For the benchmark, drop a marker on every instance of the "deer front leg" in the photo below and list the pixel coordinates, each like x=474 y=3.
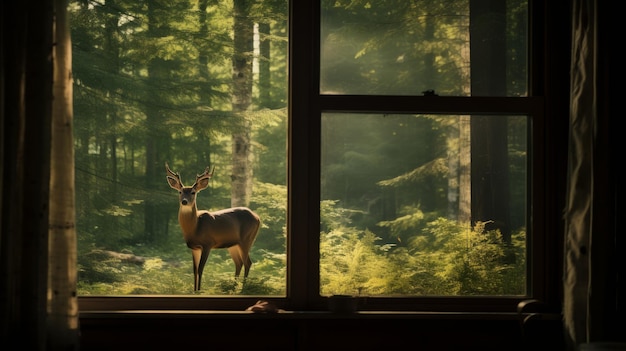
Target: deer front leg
x=200 y=256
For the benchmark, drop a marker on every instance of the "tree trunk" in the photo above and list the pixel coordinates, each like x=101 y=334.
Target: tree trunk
x=265 y=75
x=204 y=155
x=464 y=215
x=241 y=176
x=62 y=323
x=490 y=170
x=155 y=215
x=465 y=178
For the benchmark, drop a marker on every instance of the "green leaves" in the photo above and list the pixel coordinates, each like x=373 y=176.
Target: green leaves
x=439 y=258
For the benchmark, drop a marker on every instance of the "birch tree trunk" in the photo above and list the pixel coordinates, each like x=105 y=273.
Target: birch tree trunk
x=62 y=321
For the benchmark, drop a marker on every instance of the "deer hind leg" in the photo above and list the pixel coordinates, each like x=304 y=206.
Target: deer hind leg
x=245 y=260
x=235 y=254
x=246 y=245
x=247 y=265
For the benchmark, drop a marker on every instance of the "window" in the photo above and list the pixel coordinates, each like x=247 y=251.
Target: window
x=402 y=222
x=194 y=85
x=413 y=172
x=416 y=200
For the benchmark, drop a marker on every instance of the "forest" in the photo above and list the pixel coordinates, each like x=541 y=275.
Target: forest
x=199 y=83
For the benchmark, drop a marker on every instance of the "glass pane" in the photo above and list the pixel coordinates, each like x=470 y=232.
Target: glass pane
x=417 y=205
x=154 y=83
x=399 y=47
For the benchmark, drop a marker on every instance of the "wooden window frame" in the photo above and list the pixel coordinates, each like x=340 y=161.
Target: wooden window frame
x=548 y=116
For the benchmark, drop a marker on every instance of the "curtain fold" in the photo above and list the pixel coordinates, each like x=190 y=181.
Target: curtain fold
x=578 y=212
x=590 y=291
x=26 y=86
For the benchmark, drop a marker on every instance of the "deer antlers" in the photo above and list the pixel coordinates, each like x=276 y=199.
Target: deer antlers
x=207 y=172
x=172 y=173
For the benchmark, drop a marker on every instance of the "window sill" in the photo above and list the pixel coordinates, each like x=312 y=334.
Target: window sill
x=295 y=315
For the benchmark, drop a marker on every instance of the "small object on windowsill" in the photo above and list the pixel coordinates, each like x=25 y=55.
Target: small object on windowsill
x=263 y=306
x=430 y=92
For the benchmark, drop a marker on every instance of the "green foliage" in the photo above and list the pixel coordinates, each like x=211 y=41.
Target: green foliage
x=397 y=47
x=351 y=263
x=271 y=148
x=442 y=258
x=270 y=203
x=410 y=219
x=100 y=273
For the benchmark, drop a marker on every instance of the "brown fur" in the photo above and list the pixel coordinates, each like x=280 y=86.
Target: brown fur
x=233 y=228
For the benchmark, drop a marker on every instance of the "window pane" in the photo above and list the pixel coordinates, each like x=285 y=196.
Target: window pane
x=154 y=83
x=421 y=205
x=454 y=48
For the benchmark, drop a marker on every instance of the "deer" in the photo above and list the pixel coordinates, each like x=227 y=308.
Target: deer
x=232 y=228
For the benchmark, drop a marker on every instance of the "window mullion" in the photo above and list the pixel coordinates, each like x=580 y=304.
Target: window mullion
x=431 y=104
x=303 y=156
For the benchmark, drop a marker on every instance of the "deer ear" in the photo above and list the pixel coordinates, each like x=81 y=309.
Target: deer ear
x=174 y=183
x=202 y=183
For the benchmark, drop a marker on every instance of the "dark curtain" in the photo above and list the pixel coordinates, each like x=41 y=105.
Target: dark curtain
x=32 y=87
x=593 y=283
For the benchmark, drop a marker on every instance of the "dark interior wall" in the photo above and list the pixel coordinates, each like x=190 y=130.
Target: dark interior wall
x=316 y=331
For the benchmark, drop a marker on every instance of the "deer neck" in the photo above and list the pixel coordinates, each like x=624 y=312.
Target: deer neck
x=188 y=219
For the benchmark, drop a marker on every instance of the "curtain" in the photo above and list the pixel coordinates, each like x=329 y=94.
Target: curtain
x=590 y=286
x=27 y=42
x=38 y=302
